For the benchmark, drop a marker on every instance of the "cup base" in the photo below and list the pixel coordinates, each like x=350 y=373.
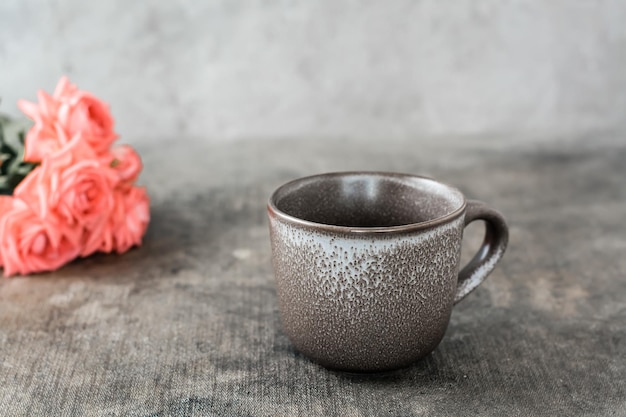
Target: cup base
x=367 y=372
x=388 y=374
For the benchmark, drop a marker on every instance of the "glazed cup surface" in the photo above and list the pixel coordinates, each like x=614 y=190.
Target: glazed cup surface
x=366 y=266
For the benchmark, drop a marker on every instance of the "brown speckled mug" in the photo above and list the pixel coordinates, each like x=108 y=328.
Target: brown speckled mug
x=367 y=264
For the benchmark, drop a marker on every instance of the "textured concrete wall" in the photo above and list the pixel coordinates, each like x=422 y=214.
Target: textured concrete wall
x=239 y=69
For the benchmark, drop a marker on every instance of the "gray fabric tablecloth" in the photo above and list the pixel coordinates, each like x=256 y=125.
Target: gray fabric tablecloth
x=188 y=323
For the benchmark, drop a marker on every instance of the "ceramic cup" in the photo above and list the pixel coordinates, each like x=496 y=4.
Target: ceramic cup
x=367 y=265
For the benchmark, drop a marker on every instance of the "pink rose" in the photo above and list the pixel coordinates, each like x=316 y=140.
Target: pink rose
x=81 y=198
x=128 y=222
x=29 y=244
x=126 y=163
x=64 y=115
x=86 y=114
x=42 y=138
x=6 y=203
x=71 y=186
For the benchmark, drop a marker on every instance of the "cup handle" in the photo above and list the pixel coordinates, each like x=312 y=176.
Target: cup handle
x=490 y=252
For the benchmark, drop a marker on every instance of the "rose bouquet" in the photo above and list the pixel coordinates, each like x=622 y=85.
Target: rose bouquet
x=67 y=192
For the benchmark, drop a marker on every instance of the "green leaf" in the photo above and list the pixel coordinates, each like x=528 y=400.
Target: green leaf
x=13 y=169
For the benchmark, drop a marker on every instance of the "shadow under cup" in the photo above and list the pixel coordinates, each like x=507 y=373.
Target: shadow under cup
x=367 y=265
x=366 y=200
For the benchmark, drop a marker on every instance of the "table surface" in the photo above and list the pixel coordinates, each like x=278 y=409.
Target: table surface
x=188 y=323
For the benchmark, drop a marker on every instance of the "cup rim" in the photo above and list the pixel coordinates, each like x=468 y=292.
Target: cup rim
x=275 y=211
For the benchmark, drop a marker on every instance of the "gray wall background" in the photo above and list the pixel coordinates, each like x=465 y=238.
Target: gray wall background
x=504 y=70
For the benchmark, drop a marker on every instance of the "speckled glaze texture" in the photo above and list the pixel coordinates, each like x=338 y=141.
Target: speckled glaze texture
x=372 y=290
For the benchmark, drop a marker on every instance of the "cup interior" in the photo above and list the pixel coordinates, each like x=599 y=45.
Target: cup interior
x=366 y=199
